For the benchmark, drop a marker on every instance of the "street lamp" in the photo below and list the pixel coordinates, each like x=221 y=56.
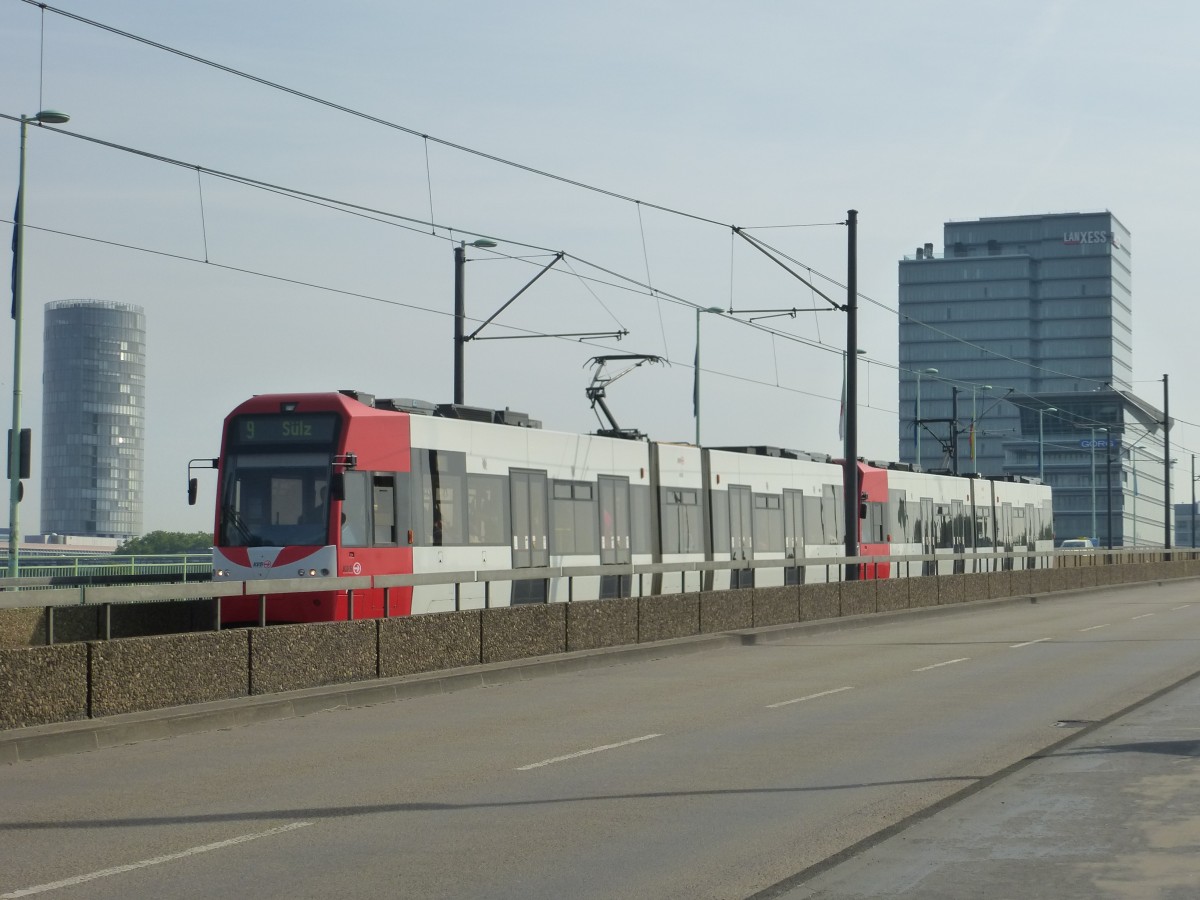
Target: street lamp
x=45 y=117
x=460 y=264
x=1094 y=430
x=974 y=423
x=696 y=378
x=1042 y=443
x=917 y=420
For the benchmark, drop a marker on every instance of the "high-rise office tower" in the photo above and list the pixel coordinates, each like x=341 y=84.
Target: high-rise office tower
x=1016 y=358
x=1038 y=304
x=93 y=418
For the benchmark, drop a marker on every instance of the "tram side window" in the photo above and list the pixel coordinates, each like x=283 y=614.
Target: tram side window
x=812 y=520
x=574 y=518
x=487 y=509
x=720 y=519
x=768 y=522
x=440 y=478
x=383 y=510
x=872 y=526
x=356 y=510
x=831 y=514
x=898 y=521
x=639 y=525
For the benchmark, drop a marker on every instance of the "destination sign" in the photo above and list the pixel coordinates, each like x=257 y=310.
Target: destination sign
x=318 y=428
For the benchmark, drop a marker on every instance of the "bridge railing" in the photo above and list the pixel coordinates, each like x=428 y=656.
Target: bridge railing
x=43 y=593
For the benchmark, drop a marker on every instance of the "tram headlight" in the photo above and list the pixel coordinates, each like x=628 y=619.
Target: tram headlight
x=221 y=573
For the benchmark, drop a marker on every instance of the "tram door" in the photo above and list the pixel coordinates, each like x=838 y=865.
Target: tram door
x=530 y=517
x=741 y=537
x=793 y=536
x=615 y=547
x=928 y=536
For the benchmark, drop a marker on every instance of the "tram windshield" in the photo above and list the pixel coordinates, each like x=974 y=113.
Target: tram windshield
x=275 y=499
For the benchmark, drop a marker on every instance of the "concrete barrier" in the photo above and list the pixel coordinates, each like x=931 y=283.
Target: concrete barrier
x=668 y=616
x=858 y=598
x=72 y=681
x=726 y=610
x=519 y=632
x=951 y=589
x=413 y=644
x=135 y=674
x=893 y=594
x=975 y=586
x=776 y=606
x=1000 y=584
x=592 y=624
x=289 y=657
x=923 y=592
x=820 y=601
x=43 y=685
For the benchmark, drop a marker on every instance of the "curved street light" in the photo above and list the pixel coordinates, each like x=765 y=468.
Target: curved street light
x=15 y=463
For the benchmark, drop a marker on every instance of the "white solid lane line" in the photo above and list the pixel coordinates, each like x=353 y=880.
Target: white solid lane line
x=1027 y=643
x=848 y=687
x=1094 y=627
x=948 y=662
x=157 y=860
x=558 y=759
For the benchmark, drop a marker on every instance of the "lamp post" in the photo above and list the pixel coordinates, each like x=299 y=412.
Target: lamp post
x=974 y=423
x=696 y=377
x=460 y=264
x=1094 y=430
x=45 y=117
x=1193 y=501
x=1042 y=443
x=917 y=420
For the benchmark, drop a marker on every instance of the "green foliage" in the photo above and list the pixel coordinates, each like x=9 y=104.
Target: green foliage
x=167 y=542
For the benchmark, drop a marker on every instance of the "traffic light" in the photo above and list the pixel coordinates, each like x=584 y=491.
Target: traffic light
x=25 y=450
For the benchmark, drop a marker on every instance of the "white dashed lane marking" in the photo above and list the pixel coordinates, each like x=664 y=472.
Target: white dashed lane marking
x=558 y=759
x=153 y=861
x=810 y=697
x=948 y=662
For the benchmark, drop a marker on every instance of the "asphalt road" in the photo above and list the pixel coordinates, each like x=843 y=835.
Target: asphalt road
x=719 y=774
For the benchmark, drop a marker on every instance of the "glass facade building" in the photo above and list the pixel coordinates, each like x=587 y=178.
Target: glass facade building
x=1019 y=314
x=93 y=418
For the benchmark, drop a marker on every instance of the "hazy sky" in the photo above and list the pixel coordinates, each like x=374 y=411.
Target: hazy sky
x=750 y=114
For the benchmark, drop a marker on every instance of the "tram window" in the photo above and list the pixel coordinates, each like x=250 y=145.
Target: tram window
x=574 y=518
x=383 y=510
x=487 y=512
x=639 y=524
x=720 y=519
x=812 y=519
x=768 y=523
x=440 y=478
x=356 y=511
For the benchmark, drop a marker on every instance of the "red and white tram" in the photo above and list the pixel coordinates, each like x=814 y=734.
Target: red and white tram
x=338 y=484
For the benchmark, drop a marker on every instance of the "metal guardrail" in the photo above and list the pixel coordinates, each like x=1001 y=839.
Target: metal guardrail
x=83 y=566
x=42 y=593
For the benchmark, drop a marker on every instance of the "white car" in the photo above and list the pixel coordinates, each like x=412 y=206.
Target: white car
x=1076 y=544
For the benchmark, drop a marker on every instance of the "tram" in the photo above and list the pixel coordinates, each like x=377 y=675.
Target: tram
x=341 y=484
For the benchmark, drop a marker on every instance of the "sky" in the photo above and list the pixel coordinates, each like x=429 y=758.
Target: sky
x=664 y=124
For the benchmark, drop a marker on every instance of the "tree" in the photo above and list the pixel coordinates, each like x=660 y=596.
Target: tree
x=167 y=542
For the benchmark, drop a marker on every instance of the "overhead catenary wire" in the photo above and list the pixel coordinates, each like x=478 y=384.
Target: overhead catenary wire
x=427 y=138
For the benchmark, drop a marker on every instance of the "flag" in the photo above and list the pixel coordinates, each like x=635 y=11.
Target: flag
x=842 y=410
x=696 y=381
x=16 y=249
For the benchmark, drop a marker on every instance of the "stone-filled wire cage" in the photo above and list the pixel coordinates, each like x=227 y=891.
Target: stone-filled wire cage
x=93 y=418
